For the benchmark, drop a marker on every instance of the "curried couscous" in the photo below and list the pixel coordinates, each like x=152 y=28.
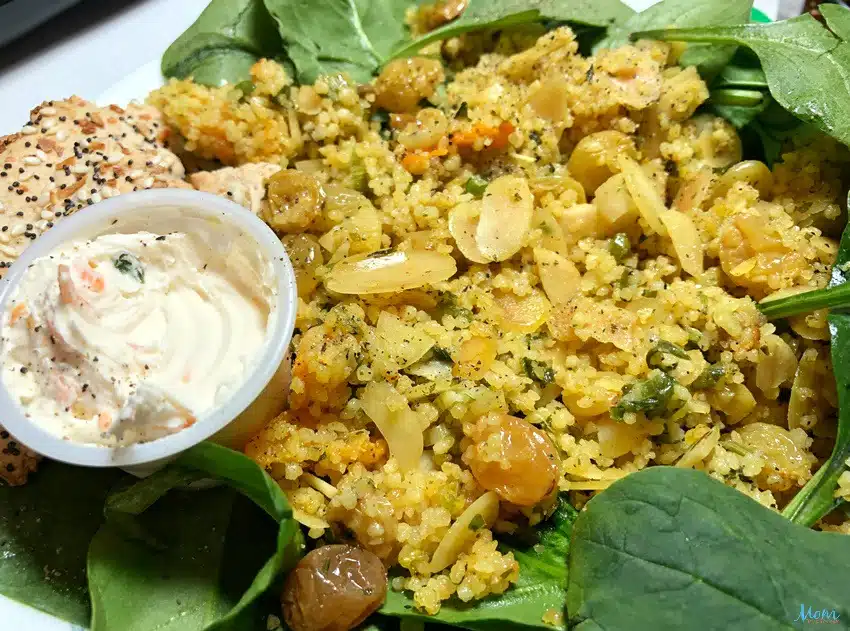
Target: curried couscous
x=524 y=271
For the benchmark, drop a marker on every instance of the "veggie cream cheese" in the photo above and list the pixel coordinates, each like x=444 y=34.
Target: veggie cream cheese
x=129 y=337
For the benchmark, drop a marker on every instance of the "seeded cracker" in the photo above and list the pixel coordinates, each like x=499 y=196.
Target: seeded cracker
x=16 y=461
x=73 y=154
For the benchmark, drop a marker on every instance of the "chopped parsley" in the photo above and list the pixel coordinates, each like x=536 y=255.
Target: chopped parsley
x=128 y=264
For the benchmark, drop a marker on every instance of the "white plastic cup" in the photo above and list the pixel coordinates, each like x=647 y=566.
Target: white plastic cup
x=261 y=396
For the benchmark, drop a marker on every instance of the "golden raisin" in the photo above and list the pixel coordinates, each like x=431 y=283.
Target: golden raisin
x=404 y=82
x=513 y=458
x=333 y=588
x=295 y=199
x=442 y=12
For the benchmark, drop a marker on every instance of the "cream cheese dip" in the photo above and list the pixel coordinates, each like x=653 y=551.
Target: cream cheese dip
x=126 y=338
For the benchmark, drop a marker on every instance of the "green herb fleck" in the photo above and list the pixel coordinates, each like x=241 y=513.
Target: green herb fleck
x=246 y=87
x=735 y=447
x=448 y=307
x=358 y=178
x=710 y=377
x=382 y=117
x=655 y=356
x=694 y=337
x=620 y=247
x=442 y=354
x=541 y=372
x=650 y=396
x=128 y=264
x=476 y=523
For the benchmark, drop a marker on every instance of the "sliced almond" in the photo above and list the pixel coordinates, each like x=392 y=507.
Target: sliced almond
x=506 y=213
x=559 y=276
x=389 y=271
x=463 y=223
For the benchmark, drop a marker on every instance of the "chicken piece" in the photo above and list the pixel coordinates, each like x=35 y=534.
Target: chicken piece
x=245 y=185
x=72 y=154
x=16 y=461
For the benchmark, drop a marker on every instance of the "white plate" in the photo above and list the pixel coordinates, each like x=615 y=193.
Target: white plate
x=114 y=61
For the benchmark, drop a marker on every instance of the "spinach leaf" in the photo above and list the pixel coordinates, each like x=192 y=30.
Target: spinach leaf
x=331 y=36
x=709 y=59
x=669 y=549
x=177 y=583
x=540 y=590
x=806 y=63
x=740 y=93
x=832 y=297
x=136 y=588
x=45 y=528
x=774 y=127
x=491 y=14
x=817 y=498
x=223 y=43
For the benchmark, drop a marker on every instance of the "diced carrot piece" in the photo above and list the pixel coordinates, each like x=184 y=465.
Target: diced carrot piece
x=502 y=135
x=416 y=163
x=498 y=136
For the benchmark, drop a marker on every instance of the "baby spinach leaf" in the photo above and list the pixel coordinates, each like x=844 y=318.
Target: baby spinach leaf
x=45 y=529
x=223 y=43
x=134 y=587
x=806 y=63
x=774 y=127
x=832 y=297
x=178 y=583
x=491 y=14
x=539 y=591
x=331 y=36
x=679 y=13
x=740 y=93
x=670 y=549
